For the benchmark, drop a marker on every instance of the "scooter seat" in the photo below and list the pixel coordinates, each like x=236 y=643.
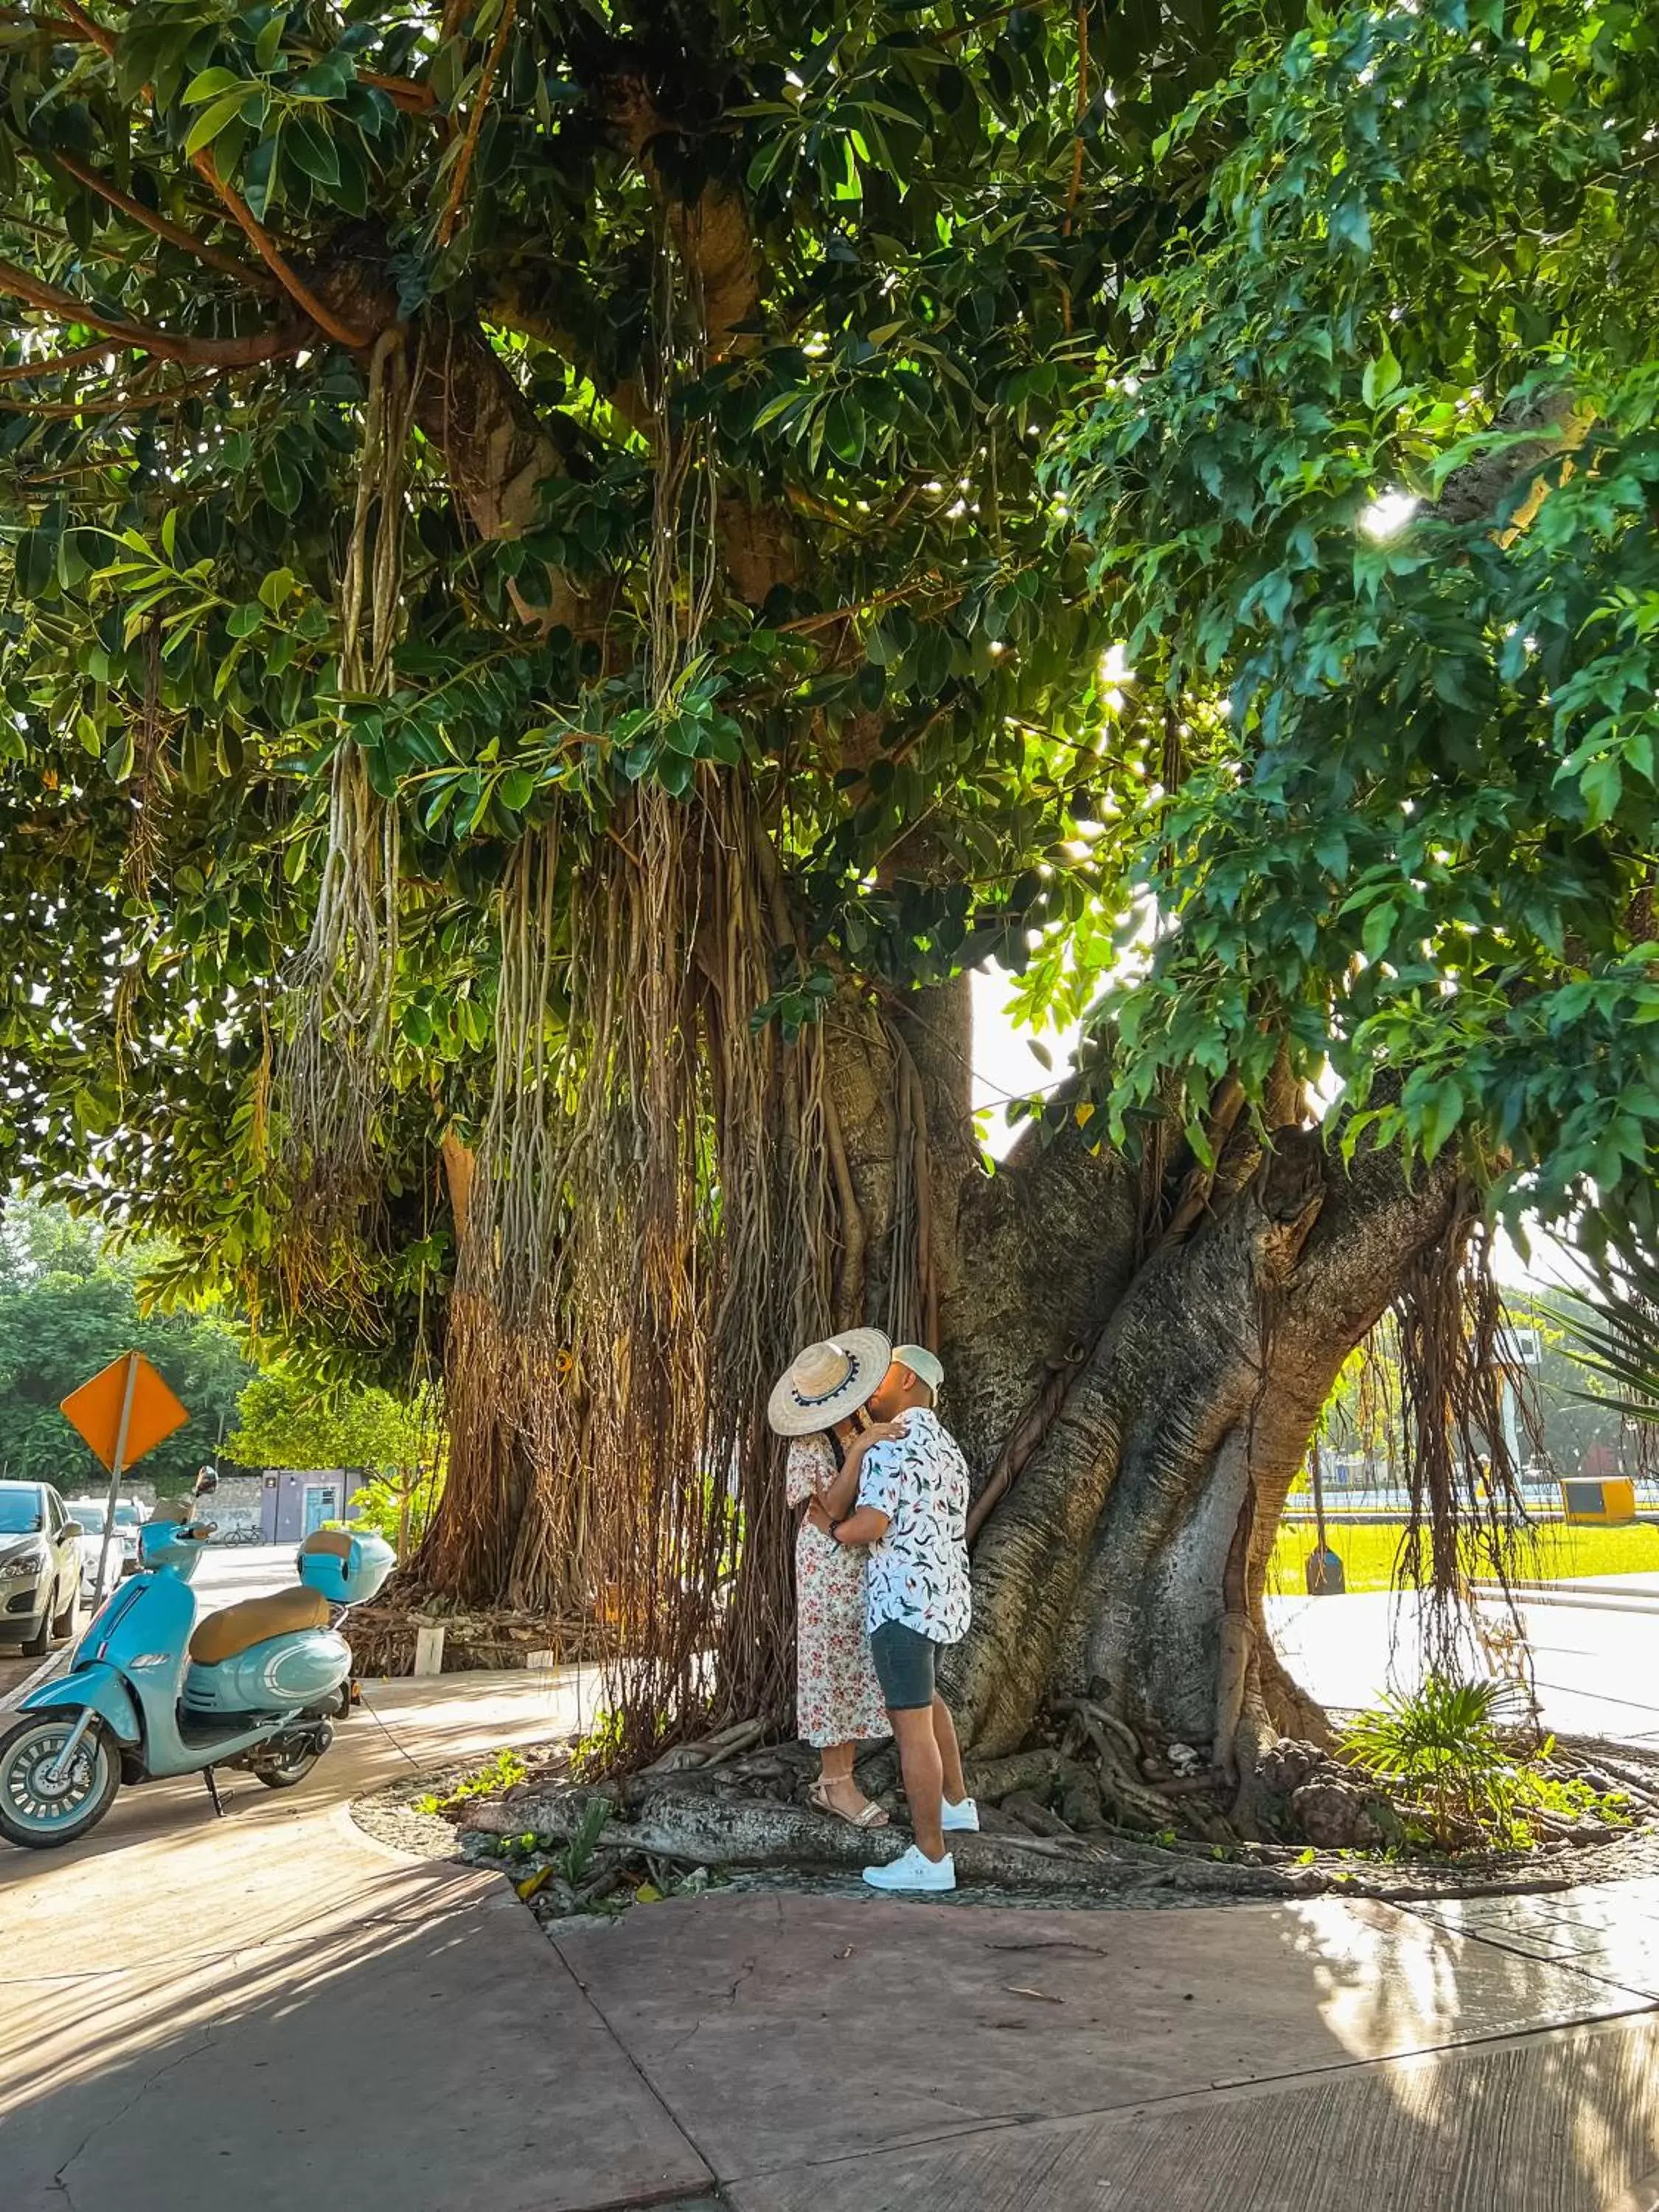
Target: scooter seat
x=238 y=1627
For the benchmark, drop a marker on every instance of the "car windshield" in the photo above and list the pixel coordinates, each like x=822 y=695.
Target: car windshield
x=89 y=1517
x=21 y=1513
x=127 y=1517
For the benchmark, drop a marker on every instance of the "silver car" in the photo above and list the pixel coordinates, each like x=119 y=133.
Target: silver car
x=88 y=1514
x=40 y=1567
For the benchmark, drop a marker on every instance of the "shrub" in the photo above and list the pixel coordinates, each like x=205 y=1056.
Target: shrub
x=1449 y=1750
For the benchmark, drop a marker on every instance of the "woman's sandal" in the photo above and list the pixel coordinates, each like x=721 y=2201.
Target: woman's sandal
x=872 y=1817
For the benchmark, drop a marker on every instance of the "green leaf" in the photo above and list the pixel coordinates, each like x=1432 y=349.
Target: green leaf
x=1441 y=1115
x=1381 y=378
x=276 y=586
x=1379 y=929
x=311 y=149
x=213 y=84
x=212 y=120
x=268 y=45
x=843 y=428
x=1602 y=784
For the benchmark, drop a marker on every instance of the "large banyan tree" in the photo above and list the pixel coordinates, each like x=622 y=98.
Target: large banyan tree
x=573 y=569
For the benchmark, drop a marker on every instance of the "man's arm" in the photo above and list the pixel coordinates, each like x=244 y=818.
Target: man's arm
x=881 y=1488
x=867 y=1526
x=839 y=1494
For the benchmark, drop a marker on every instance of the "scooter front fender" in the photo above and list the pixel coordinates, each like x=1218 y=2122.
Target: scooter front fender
x=96 y=1686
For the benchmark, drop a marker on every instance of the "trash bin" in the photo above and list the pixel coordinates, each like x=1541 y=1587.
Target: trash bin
x=1326 y=1578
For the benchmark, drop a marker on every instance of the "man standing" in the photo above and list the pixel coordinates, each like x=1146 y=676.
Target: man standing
x=912 y=1512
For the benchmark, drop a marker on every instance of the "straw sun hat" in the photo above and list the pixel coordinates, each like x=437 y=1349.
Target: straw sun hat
x=827 y=1381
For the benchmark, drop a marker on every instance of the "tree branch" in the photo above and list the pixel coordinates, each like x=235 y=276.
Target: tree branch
x=260 y=238
x=509 y=307
x=404 y=92
x=258 y=279
x=255 y=231
x=122 y=402
x=87 y=28
x=216 y=352
x=18 y=371
x=475 y=124
x=712 y=232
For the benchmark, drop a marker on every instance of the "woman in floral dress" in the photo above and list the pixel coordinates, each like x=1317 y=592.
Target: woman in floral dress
x=838 y=1701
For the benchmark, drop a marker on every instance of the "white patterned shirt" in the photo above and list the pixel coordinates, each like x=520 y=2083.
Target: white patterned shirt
x=917 y=1573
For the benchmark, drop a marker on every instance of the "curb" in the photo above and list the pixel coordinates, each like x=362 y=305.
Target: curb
x=43 y=1672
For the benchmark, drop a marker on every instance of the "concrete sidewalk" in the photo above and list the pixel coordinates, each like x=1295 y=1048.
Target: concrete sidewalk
x=270 y=2008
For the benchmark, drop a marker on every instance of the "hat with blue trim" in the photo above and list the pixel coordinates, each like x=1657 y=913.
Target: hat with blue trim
x=829 y=1381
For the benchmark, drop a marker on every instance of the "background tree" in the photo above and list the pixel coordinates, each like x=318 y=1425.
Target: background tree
x=581 y=591
x=288 y=1417
x=68 y=1306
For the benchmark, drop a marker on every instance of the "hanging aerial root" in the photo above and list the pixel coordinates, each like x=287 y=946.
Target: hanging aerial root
x=337 y=1018
x=1468 y=1516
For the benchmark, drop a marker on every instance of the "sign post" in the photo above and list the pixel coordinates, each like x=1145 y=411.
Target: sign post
x=124 y=1411
x=117 y=1466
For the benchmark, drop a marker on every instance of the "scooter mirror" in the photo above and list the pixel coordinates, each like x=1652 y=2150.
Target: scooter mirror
x=206 y=1483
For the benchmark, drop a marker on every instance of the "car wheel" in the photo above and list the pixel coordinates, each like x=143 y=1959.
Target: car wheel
x=38 y=1645
x=69 y=1620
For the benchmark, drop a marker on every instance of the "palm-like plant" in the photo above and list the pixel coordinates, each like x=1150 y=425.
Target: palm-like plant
x=1446 y=1743
x=1613 y=1330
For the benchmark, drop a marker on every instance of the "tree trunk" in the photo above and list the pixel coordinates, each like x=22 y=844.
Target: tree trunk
x=1128 y=1560
x=1135 y=1362
x=504 y=1533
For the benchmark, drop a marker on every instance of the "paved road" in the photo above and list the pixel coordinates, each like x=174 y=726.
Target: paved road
x=270 y=2009
x=1593 y=1654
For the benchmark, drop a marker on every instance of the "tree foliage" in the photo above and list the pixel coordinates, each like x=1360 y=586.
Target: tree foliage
x=1372 y=511
x=68 y=1306
x=287 y=1418
x=882 y=238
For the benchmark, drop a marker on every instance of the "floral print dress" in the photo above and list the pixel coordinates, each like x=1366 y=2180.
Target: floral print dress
x=837 y=1698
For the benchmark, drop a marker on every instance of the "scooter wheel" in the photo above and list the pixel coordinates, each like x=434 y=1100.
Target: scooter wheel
x=38 y=1811
x=285 y=1773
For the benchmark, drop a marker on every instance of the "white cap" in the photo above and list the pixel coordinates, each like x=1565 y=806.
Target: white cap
x=925 y=1365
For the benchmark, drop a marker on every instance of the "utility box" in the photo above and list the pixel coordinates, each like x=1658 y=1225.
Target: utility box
x=1610 y=1499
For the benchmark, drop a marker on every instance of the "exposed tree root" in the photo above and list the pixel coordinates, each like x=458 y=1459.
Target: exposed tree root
x=699 y=1826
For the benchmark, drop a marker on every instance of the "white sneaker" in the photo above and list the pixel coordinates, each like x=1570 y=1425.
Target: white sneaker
x=914 y=1871
x=960 y=1819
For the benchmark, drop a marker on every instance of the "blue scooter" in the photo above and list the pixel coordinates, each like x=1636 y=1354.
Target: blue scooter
x=255 y=1686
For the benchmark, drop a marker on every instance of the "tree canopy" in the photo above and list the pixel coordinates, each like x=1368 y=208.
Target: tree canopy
x=844 y=269
x=1373 y=510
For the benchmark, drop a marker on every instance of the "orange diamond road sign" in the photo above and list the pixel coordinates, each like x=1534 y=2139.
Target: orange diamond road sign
x=95 y=1410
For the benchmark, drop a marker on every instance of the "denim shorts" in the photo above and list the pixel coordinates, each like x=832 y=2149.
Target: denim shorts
x=905 y=1659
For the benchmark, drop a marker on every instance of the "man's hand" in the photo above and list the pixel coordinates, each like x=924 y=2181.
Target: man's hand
x=818 y=1517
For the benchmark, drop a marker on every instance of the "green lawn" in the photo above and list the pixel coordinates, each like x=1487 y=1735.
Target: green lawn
x=1368 y=1551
